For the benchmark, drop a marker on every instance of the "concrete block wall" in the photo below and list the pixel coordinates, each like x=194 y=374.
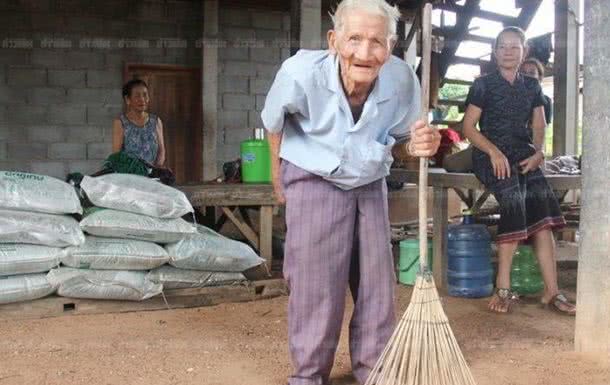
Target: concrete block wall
x=256 y=44
x=61 y=71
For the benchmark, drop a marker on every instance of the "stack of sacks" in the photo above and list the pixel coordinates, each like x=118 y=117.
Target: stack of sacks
x=34 y=229
x=133 y=214
x=205 y=259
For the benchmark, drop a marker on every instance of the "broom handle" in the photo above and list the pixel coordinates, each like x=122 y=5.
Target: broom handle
x=426 y=21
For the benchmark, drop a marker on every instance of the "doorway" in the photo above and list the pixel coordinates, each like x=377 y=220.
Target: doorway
x=175 y=96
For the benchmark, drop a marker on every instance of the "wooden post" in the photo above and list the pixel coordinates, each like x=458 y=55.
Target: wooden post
x=565 y=77
x=305 y=24
x=266 y=234
x=209 y=84
x=593 y=299
x=439 y=246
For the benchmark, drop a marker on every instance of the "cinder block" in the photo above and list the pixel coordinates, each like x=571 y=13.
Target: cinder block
x=67 y=78
x=271 y=35
x=286 y=22
x=267 y=20
x=87 y=134
x=238 y=68
x=260 y=102
x=2 y=74
x=15 y=57
x=14 y=133
x=85 y=167
x=12 y=95
x=236 y=136
x=67 y=151
x=232 y=53
x=267 y=70
x=46 y=95
x=114 y=60
x=156 y=30
x=67 y=114
x=238 y=102
x=3 y=151
x=236 y=34
x=182 y=11
x=233 y=84
x=284 y=54
x=2 y=114
x=103 y=115
x=99 y=150
x=54 y=169
x=254 y=119
x=26 y=150
x=84 y=60
x=94 y=95
x=265 y=55
x=47 y=58
x=26 y=114
x=27 y=77
x=46 y=134
x=105 y=78
x=238 y=17
x=45 y=22
x=260 y=85
x=11 y=165
x=233 y=119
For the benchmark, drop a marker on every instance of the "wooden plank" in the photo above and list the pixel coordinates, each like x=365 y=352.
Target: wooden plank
x=209 y=92
x=266 y=234
x=229 y=194
x=470 y=181
x=457 y=81
x=246 y=230
x=447 y=102
x=55 y=306
x=439 y=240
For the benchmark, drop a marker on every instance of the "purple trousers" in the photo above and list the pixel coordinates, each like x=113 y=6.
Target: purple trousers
x=336 y=239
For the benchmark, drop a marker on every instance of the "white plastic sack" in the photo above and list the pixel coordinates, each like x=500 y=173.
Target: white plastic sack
x=38 y=193
x=40 y=229
x=103 y=284
x=136 y=194
x=19 y=288
x=210 y=251
x=115 y=254
x=121 y=224
x=16 y=258
x=173 y=278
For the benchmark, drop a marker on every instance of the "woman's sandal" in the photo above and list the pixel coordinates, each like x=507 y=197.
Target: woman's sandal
x=504 y=298
x=560 y=304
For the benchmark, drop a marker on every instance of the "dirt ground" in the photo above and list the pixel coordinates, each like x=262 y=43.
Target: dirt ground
x=245 y=344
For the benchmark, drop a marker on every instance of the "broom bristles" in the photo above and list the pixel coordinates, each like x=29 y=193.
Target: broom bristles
x=422 y=350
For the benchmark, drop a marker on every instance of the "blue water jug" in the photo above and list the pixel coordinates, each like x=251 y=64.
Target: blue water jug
x=469 y=272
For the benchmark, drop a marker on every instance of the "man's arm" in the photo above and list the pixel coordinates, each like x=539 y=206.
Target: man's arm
x=275 y=141
x=424 y=142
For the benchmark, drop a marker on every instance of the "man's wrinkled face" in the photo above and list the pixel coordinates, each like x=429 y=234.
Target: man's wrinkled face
x=362 y=46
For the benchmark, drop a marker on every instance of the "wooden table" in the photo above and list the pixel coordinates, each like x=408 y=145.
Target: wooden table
x=441 y=181
x=237 y=197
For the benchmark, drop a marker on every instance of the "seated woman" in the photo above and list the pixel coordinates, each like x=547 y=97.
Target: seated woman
x=136 y=131
x=506 y=160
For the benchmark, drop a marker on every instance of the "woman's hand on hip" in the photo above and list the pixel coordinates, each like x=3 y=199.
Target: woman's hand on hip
x=425 y=140
x=500 y=164
x=532 y=163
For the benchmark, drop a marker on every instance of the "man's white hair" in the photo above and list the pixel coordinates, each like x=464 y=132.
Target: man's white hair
x=374 y=7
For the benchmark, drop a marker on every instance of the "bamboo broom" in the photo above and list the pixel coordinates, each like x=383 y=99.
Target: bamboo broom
x=423 y=349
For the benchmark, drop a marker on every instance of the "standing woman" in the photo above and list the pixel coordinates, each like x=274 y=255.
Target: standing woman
x=507 y=161
x=138 y=132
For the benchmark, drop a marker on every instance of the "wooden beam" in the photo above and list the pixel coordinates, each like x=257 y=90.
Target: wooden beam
x=457 y=81
x=593 y=285
x=469 y=60
x=447 y=102
x=439 y=244
x=243 y=227
x=480 y=13
x=209 y=92
x=565 y=79
x=463 y=18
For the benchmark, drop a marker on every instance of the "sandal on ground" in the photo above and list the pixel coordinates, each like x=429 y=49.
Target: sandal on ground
x=503 y=299
x=560 y=304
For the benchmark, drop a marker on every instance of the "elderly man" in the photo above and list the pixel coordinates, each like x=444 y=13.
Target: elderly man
x=335 y=118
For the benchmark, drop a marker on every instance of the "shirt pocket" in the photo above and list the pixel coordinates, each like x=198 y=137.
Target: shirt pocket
x=378 y=159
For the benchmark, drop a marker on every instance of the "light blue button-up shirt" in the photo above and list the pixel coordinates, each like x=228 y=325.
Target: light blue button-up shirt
x=307 y=103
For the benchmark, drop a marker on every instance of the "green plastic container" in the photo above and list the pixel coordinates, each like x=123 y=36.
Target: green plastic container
x=525 y=277
x=255 y=161
x=408 y=261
